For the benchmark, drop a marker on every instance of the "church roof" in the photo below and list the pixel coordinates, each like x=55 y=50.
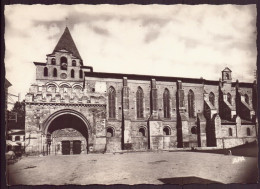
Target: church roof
x=227 y=70
x=66 y=42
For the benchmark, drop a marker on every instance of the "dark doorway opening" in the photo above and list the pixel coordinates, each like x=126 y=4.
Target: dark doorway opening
x=65 y=147
x=76 y=147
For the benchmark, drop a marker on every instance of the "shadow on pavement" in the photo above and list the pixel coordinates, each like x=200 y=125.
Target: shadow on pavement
x=187 y=180
x=247 y=150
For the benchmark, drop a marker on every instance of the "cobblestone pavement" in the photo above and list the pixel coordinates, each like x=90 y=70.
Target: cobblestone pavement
x=133 y=168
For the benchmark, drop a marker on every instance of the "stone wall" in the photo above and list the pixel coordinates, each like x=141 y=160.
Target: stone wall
x=184 y=131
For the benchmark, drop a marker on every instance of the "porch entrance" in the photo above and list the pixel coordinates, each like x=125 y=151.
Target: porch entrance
x=67 y=133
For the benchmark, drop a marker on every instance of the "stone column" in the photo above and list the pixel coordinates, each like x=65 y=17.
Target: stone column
x=126 y=127
x=154 y=100
x=201 y=130
x=218 y=131
x=155 y=124
x=182 y=120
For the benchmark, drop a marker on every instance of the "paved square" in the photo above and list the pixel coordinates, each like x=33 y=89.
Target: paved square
x=133 y=168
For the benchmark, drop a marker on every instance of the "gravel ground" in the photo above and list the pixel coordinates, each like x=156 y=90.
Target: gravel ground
x=133 y=168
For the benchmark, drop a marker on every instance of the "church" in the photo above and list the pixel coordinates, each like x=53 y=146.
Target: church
x=71 y=109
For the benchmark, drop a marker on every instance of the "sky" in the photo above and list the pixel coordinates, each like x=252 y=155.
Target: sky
x=164 y=40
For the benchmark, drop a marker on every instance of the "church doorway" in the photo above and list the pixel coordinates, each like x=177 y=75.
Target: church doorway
x=71 y=147
x=76 y=147
x=65 y=147
x=67 y=134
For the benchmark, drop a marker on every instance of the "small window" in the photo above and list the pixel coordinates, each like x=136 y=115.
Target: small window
x=229 y=98
x=17 y=138
x=110 y=132
x=194 y=130
x=63 y=60
x=54 y=72
x=51 y=88
x=64 y=88
x=45 y=72
x=77 y=89
x=73 y=62
x=141 y=132
x=246 y=98
x=53 y=61
x=39 y=88
x=80 y=74
x=72 y=73
x=248 y=132
x=63 y=63
x=166 y=131
x=212 y=98
x=230 y=132
x=227 y=76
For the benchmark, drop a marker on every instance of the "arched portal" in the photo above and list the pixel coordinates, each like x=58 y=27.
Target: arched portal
x=67 y=132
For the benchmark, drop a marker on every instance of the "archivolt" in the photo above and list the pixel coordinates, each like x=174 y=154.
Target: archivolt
x=47 y=122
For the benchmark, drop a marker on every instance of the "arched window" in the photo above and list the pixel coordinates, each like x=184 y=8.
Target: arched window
x=80 y=74
x=51 y=88
x=17 y=138
x=246 y=98
x=166 y=131
x=53 y=61
x=77 y=89
x=248 y=132
x=166 y=103
x=54 y=72
x=110 y=132
x=139 y=103
x=73 y=62
x=229 y=98
x=212 y=98
x=63 y=63
x=72 y=73
x=64 y=88
x=63 y=60
x=194 y=130
x=141 y=132
x=227 y=75
x=191 y=103
x=45 y=72
x=112 y=102
x=230 y=132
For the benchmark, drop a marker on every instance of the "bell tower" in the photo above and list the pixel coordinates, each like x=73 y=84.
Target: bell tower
x=226 y=75
x=63 y=64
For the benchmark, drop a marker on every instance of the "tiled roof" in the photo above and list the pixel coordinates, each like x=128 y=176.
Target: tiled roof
x=66 y=42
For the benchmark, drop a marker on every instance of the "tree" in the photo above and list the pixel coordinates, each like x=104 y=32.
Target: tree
x=16 y=117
